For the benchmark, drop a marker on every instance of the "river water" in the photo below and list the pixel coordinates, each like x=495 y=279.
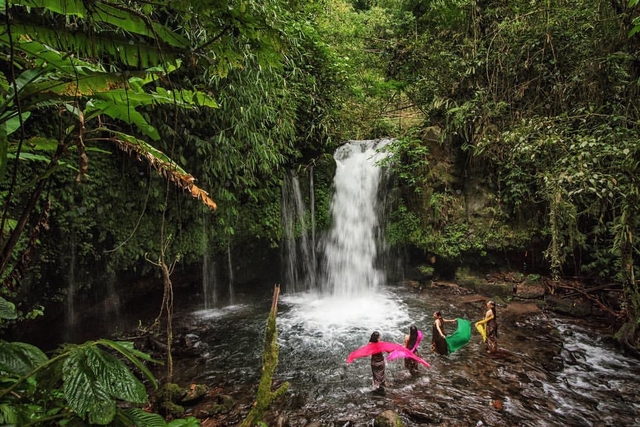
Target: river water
x=552 y=371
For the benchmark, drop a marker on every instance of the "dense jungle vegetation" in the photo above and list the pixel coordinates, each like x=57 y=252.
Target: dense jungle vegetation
x=137 y=135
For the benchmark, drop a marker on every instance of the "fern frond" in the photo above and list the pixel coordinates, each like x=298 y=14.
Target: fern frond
x=139 y=418
x=131 y=52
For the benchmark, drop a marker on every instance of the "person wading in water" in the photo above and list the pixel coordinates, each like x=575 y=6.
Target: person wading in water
x=378 y=366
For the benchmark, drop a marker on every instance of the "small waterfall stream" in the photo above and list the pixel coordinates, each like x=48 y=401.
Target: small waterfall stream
x=299 y=255
x=70 y=308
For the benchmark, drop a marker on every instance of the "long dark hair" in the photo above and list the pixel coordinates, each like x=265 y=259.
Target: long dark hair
x=413 y=336
x=375 y=337
x=493 y=309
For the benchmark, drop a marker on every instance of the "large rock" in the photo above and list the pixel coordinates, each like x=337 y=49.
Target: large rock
x=576 y=307
x=388 y=418
x=530 y=290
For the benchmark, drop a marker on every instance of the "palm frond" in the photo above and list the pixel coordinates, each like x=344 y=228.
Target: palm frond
x=163 y=164
x=112 y=13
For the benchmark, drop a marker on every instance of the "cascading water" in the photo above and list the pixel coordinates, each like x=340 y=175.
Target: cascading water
x=350 y=297
x=351 y=248
x=298 y=248
x=232 y=291
x=70 y=313
x=209 y=281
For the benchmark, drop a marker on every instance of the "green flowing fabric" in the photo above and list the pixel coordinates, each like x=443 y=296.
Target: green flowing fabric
x=460 y=337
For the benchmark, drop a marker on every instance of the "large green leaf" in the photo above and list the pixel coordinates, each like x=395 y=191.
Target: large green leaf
x=67 y=7
x=116 y=378
x=4 y=148
x=127 y=350
x=182 y=98
x=7 y=309
x=76 y=86
x=46 y=56
x=123 y=112
x=86 y=395
x=20 y=359
x=13 y=123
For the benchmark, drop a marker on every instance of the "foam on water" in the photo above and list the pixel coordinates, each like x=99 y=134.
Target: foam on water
x=214 y=313
x=329 y=320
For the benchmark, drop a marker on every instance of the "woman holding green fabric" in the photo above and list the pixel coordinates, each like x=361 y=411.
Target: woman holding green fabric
x=438 y=335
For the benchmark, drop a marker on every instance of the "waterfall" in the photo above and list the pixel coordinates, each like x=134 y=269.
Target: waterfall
x=298 y=249
x=70 y=312
x=350 y=296
x=232 y=292
x=352 y=247
x=209 y=267
x=209 y=280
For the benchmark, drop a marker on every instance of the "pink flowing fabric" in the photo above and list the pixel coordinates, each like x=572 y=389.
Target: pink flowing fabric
x=395 y=354
x=384 y=347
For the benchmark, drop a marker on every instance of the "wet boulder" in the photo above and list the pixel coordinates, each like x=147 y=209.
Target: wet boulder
x=220 y=404
x=388 y=418
x=194 y=393
x=576 y=307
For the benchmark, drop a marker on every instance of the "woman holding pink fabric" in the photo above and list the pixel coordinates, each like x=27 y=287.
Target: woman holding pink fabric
x=411 y=342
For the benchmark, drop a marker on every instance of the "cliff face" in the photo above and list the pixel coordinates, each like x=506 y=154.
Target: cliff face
x=451 y=210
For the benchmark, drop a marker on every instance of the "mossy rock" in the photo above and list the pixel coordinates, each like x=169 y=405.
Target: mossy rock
x=222 y=404
x=194 y=393
x=502 y=290
x=388 y=418
x=173 y=408
x=576 y=307
x=169 y=392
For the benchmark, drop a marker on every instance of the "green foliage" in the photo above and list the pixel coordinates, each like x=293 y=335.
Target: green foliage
x=409 y=160
x=83 y=382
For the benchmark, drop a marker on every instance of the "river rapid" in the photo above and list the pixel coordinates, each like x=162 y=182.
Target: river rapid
x=552 y=371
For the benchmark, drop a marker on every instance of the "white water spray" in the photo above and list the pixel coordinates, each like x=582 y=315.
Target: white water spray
x=352 y=247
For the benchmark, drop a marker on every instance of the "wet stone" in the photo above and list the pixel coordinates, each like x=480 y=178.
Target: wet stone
x=460 y=382
x=421 y=417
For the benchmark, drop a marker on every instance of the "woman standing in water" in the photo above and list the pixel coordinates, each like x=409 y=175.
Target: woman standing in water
x=411 y=342
x=438 y=341
x=377 y=365
x=491 y=327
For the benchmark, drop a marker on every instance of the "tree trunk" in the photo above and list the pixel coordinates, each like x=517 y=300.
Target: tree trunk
x=265 y=396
